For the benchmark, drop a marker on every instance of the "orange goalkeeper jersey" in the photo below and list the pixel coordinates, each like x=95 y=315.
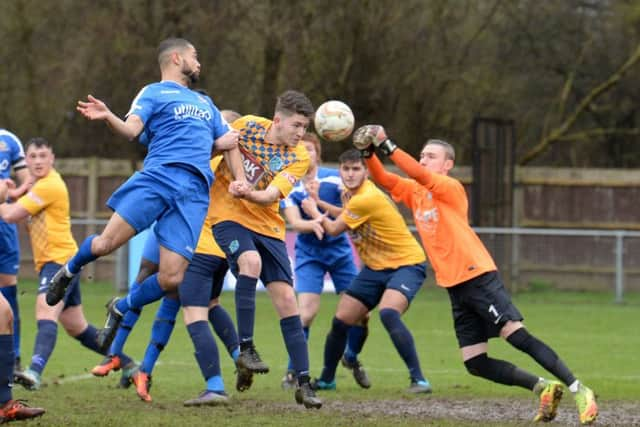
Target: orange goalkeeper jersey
x=440 y=211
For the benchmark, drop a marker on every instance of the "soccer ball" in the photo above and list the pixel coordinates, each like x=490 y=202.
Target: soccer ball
x=334 y=121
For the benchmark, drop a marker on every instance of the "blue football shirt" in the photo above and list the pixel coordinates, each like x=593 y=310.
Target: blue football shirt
x=11 y=153
x=329 y=191
x=180 y=126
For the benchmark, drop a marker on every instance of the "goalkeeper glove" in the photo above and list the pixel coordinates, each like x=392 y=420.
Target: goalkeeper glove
x=375 y=135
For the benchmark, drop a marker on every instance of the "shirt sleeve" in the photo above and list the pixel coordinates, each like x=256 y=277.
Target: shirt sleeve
x=403 y=191
x=357 y=211
x=290 y=200
x=42 y=194
x=220 y=125
x=442 y=186
x=17 y=154
x=287 y=178
x=142 y=105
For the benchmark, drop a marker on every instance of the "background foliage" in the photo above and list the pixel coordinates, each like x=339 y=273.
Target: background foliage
x=423 y=68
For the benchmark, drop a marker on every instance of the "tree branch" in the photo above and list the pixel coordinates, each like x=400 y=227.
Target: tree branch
x=598 y=132
x=556 y=134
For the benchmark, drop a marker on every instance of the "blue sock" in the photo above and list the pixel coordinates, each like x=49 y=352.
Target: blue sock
x=235 y=353
x=128 y=322
x=305 y=330
x=45 y=342
x=7 y=359
x=245 y=296
x=356 y=337
x=149 y=291
x=11 y=295
x=206 y=350
x=216 y=384
x=333 y=349
x=402 y=340
x=296 y=344
x=160 y=332
x=224 y=328
x=83 y=256
x=88 y=339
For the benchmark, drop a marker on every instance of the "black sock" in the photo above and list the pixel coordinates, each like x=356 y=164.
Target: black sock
x=541 y=353
x=500 y=371
x=333 y=349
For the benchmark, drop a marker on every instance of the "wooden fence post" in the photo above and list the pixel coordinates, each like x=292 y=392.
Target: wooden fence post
x=92 y=199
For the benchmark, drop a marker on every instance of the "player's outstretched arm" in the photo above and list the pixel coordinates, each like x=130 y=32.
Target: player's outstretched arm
x=227 y=144
x=25 y=180
x=10 y=212
x=411 y=167
x=376 y=136
x=243 y=189
x=333 y=210
x=364 y=139
x=4 y=190
x=301 y=225
x=332 y=227
x=233 y=158
x=95 y=109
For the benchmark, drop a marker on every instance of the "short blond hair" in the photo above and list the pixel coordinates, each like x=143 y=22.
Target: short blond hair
x=449 y=151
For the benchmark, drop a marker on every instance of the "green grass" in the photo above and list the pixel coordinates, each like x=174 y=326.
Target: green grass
x=596 y=338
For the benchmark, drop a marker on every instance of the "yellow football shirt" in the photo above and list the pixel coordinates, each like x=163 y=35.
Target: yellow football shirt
x=49 y=225
x=206 y=243
x=378 y=230
x=264 y=165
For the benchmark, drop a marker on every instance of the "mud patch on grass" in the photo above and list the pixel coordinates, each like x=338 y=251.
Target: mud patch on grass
x=485 y=410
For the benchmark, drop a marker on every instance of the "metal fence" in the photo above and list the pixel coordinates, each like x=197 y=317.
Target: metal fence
x=528 y=258
x=575 y=259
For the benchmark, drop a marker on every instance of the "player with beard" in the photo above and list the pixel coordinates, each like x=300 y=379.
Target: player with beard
x=182 y=127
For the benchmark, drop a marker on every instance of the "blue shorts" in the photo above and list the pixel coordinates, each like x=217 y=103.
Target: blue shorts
x=313 y=263
x=235 y=239
x=151 y=249
x=9 y=249
x=203 y=280
x=369 y=285
x=72 y=295
x=174 y=196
